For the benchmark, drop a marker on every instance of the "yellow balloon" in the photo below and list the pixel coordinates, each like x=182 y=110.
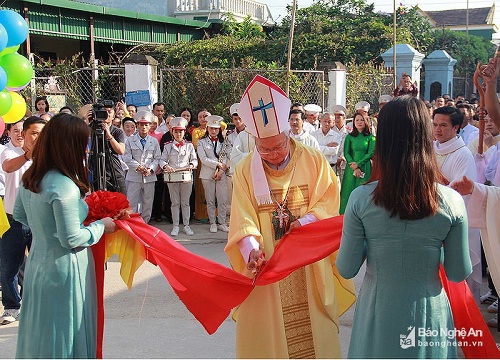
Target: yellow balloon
x=17 y=110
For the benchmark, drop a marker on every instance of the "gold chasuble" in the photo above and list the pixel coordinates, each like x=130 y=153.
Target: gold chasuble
x=298 y=316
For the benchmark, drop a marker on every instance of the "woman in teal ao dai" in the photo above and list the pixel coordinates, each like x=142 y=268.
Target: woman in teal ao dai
x=59 y=308
x=359 y=146
x=404 y=224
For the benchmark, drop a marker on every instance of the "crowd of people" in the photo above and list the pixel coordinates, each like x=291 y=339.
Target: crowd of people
x=270 y=173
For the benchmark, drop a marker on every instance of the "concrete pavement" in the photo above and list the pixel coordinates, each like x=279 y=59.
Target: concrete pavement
x=149 y=321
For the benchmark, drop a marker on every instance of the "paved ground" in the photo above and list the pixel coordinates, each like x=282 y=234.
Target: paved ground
x=149 y=321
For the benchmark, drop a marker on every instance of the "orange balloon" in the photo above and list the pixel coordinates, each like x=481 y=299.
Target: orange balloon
x=17 y=109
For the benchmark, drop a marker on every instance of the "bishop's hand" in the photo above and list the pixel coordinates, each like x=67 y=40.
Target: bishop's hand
x=256 y=260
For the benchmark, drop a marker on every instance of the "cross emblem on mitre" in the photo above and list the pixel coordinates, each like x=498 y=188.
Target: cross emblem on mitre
x=264 y=108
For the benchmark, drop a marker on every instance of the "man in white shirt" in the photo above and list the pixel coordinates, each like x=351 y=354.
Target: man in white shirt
x=297 y=131
x=467 y=131
x=231 y=135
x=339 y=113
x=454 y=158
x=328 y=140
x=159 y=112
x=243 y=144
x=16 y=159
x=239 y=127
x=456 y=161
x=312 y=112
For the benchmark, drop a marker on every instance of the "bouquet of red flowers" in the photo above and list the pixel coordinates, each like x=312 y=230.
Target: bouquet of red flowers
x=107 y=204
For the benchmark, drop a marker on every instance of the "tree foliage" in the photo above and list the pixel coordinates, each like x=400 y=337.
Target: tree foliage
x=467 y=50
x=349 y=31
x=336 y=30
x=246 y=29
x=221 y=51
x=413 y=28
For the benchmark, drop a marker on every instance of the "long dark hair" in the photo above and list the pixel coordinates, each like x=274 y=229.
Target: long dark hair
x=61 y=145
x=366 y=130
x=405 y=162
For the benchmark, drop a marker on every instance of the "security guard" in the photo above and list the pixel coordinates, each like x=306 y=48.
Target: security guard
x=142 y=156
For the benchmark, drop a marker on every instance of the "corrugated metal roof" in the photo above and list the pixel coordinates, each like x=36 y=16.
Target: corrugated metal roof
x=90 y=8
x=56 y=18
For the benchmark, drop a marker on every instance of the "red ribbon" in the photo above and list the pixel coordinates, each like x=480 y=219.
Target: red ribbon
x=211 y=290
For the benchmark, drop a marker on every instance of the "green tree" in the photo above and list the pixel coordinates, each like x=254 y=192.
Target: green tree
x=467 y=50
x=336 y=30
x=246 y=29
x=413 y=28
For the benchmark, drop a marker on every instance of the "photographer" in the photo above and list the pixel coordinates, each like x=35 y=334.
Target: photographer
x=114 y=145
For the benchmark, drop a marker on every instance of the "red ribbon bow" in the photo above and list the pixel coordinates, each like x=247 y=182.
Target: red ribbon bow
x=179 y=144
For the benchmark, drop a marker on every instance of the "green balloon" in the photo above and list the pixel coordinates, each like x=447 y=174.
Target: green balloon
x=18 y=69
x=9 y=50
x=5 y=102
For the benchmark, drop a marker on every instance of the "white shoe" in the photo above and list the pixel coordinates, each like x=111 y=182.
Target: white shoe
x=175 y=231
x=213 y=228
x=188 y=231
x=223 y=227
x=9 y=316
x=493 y=322
x=488 y=298
x=493 y=308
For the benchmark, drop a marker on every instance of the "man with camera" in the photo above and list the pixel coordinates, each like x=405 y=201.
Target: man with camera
x=109 y=140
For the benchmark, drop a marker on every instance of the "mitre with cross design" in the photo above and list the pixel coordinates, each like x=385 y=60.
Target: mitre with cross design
x=264 y=108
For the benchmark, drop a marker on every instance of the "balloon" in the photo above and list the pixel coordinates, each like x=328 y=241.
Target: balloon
x=19 y=69
x=2 y=126
x=9 y=50
x=3 y=78
x=16 y=26
x=5 y=102
x=3 y=37
x=17 y=110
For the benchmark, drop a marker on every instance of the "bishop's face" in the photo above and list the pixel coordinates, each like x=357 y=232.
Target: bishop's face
x=273 y=149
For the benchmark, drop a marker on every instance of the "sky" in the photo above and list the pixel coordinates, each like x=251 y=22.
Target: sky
x=278 y=7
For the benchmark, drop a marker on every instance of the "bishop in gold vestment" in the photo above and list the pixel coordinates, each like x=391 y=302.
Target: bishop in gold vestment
x=297 y=317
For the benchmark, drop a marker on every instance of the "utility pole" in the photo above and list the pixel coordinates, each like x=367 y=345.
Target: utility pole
x=290 y=44
x=467 y=33
x=394 y=75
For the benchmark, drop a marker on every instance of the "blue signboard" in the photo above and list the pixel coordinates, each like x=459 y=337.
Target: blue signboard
x=138 y=98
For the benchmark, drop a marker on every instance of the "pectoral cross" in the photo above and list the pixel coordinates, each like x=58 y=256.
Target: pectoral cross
x=281 y=215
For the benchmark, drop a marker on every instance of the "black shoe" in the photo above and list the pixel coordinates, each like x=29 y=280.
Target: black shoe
x=158 y=219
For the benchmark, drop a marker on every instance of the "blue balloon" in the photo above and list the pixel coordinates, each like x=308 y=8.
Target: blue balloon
x=16 y=26
x=3 y=38
x=3 y=78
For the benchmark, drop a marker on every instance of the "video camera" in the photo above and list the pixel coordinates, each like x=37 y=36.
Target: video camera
x=99 y=114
